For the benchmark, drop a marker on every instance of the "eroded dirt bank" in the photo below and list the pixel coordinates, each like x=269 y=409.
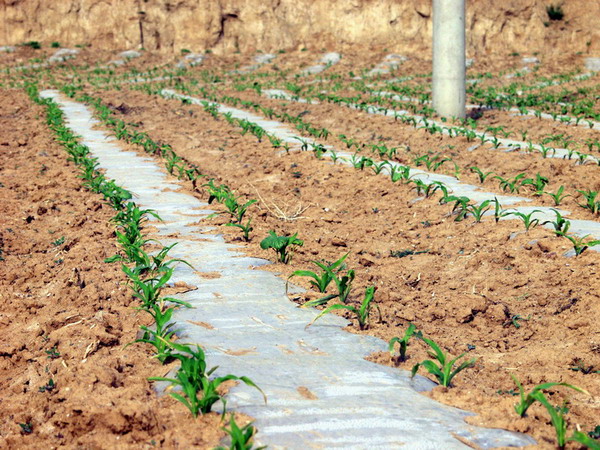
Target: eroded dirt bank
x=229 y=25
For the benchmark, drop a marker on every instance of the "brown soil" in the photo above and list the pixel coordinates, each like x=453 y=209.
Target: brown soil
x=507 y=297
x=66 y=315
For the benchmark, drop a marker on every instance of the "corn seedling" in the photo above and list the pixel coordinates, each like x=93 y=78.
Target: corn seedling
x=419 y=186
x=557 y=417
x=432 y=163
x=362 y=313
x=241 y=438
x=333 y=155
x=511 y=184
x=398 y=172
x=235 y=209
x=444 y=370
x=403 y=344
x=377 y=168
x=460 y=208
x=579 y=243
x=527 y=400
x=328 y=274
x=319 y=150
x=132 y=216
x=558 y=196
x=147 y=291
x=432 y=188
x=343 y=284
x=219 y=193
x=527 y=219
x=132 y=249
x=561 y=225
x=246 y=229
x=590 y=201
x=538 y=184
x=361 y=163
x=478 y=211
x=164 y=330
x=282 y=245
x=199 y=391
x=156 y=264
x=499 y=212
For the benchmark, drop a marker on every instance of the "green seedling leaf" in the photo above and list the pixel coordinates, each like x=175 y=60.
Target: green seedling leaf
x=280 y=244
x=527 y=400
x=585 y=440
x=403 y=343
x=443 y=370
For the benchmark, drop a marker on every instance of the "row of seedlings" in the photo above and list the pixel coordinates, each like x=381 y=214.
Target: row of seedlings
x=148 y=274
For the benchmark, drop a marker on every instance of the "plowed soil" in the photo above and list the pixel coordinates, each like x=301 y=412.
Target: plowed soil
x=66 y=375
x=508 y=297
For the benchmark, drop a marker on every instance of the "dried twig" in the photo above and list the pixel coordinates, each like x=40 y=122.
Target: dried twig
x=285 y=213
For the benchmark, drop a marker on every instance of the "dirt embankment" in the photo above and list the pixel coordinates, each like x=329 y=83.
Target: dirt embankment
x=269 y=25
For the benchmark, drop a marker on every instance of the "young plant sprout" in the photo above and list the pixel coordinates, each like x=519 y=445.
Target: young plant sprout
x=328 y=274
x=246 y=229
x=527 y=400
x=443 y=367
x=198 y=390
x=561 y=225
x=499 y=212
x=283 y=245
x=478 y=211
x=241 y=438
x=590 y=200
x=403 y=344
x=527 y=219
x=362 y=313
x=580 y=244
x=558 y=196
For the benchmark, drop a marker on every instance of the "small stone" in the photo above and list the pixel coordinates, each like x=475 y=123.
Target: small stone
x=365 y=262
x=530 y=60
x=337 y=242
x=530 y=244
x=543 y=247
x=130 y=54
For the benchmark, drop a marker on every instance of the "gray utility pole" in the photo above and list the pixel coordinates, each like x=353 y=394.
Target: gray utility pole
x=449 y=58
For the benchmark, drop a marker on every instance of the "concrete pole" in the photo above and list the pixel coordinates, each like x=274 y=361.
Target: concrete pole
x=449 y=58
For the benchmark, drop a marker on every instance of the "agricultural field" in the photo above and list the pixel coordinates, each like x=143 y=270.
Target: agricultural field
x=475 y=239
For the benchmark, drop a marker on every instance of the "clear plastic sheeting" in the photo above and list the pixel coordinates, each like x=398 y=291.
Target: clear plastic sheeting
x=259 y=61
x=190 y=60
x=592 y=64
x=328 y=60
x=63 y=54
x=389 y=63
